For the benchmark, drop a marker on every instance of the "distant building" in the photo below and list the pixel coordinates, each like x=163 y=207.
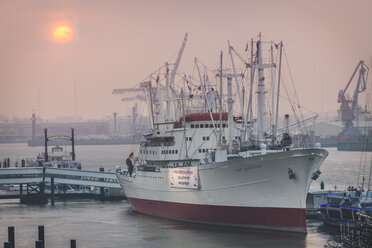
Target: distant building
x=327 y=129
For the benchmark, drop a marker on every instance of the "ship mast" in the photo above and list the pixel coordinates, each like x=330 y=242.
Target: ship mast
x=261 y=104
x=238 y=91
x=249 y=109
x=278 y=91
x=273 y=126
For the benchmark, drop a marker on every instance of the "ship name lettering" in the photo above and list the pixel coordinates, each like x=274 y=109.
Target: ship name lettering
x=184 y=177
x=183 y=172
x=252 y=167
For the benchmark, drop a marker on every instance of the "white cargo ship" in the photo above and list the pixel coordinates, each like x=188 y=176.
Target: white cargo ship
x=210 y=158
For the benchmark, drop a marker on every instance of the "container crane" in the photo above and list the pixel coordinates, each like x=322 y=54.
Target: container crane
x=349 y=107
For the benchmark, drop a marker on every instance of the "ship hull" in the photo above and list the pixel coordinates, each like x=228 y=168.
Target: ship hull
x=281 y=219
x=252 y=192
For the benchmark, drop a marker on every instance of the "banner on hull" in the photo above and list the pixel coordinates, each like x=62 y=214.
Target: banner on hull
x=184 y=177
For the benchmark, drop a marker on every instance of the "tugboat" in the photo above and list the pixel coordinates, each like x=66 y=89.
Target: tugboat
x=204 y=161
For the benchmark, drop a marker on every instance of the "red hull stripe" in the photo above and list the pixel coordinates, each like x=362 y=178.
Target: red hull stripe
x=268 y=218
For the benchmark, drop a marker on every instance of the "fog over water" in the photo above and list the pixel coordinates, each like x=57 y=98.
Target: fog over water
x=115 y=44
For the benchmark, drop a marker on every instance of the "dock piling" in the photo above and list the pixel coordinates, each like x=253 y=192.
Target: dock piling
x=41 y=235
x=73 y=243
x=64 y=192
x=11 y=239
x=52 y=191
x=39 y=244
x=102 y=189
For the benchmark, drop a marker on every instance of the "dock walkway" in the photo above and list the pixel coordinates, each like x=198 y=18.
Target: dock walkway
x=34 y=175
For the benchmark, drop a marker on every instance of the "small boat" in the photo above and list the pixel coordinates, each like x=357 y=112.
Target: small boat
x=59 y=158
x=345 y=208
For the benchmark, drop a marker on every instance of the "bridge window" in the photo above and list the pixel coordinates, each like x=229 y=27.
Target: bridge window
x=200 y=150
x=176 y=151
x=223 y=125
x=206 y=125
x=201 y=125
x=197 y=126
x=192 y=126
x=334 y=214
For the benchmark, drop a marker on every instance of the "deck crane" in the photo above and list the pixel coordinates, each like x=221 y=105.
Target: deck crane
x=144 y=88
x=147 y=92
x=348 y=106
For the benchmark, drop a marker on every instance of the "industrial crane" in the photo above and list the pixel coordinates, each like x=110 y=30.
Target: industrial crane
x=348 y=106
x=147 y=92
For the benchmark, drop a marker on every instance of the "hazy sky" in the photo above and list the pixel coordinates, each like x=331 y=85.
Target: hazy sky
x=116 y=44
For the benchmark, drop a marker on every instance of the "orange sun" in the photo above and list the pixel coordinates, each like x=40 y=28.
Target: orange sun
x=62 y=34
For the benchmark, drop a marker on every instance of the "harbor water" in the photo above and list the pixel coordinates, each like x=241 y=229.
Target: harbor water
x=96 y=224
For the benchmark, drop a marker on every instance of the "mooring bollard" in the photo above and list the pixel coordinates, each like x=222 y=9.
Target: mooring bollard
x=11 y=239
x=39 y=244
x=73 y=243
x=41 y=235
x=7 y=245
